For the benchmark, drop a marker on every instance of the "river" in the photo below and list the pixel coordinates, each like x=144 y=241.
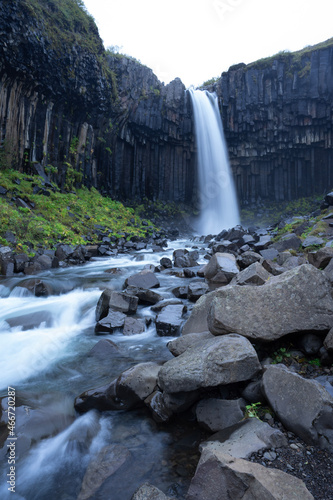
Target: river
x=44 y=359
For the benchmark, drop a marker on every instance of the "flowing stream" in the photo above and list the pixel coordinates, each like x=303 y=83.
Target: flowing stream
x=217 y=194
x=44 y=358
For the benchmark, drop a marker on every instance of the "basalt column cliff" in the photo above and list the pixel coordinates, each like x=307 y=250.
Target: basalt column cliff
x=89 y=116
x=277 y=115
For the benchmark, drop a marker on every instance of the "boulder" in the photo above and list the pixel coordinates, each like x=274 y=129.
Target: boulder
x=39 y=288
x=133 y=326
x=149 y=492
x=198 y=320
x=312 y=241
x=143 y=279
x=220 y=361
x=113 y=321
x=63 y=252
x=328 y=341
x=108 y=460
x=126 y=392
x=181 y=344
x=328 y=271
x=20 y=261
x=163 y=303
x=272 y=267
x=248 y=258
x=223 y=477
x=117 y=301
x=104 y=349
x=217 y=414
x=288 y=242
x=303 y=290
x=269 y=253
x=321 y=258
x=329 y=199
x=169 y=320
x=304 y=406
x=221 y=268
x=180 y=292
x=145 y=295
x=166 y=262
x=196 y=289
x=310 y=344
x=244 y=438
x=254 y=275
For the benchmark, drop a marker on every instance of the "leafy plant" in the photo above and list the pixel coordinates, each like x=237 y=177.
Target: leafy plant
x=280 y=355
x=251 y=410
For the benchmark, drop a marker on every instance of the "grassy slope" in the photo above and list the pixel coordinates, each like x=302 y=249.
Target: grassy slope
x=62 y=217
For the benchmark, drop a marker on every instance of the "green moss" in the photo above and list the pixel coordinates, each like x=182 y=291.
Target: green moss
x=62 y=217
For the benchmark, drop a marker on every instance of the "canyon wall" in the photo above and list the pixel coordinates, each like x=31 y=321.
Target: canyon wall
x=105 y=120
x=277 y=115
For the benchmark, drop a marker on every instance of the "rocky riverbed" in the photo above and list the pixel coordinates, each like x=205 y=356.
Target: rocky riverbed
x=248 y=323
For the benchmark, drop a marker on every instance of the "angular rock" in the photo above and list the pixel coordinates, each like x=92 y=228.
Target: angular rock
x=221 y=268
x=217 y=414
x=244 y=438
x=20 y=261
x=254 y=275
x=104 y=349
x=198 y=320
x=328 y=341
x=222 y=477
x=145 y=295
x=288 y=242
x=312 y=241
x=113 y=321
x=143 y=279
x=166 y=262
x=303 y=406
x=167 y=302
x=63 y=252
x=248 y=258
x=270 y=253
x=310 y=344
x=303 y=289
x=169 y=320
x=180 y=292
x=126 y=392
x=329 y=199
x=133 y=326
x=158 y=408
x=38 y=287
x=107 y=462
x=272 y=267
x=117 y=301
x=149 y=492
x=181 y=344
x=220 y=361
x=321 y=258
x=196 y=289
x=328 y=271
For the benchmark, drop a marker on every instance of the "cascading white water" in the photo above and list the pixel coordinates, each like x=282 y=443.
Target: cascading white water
x=217 y=194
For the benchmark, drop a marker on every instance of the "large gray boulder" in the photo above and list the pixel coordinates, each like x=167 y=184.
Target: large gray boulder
x=143 y=279
x=219 y=361
x=222 y=477
x=221 y=268
x=149 y=492
x=217 y=414
x=296 y=301
x=118 y=301
x=321 y=258
x=169 y=320
x=254 y=275
x=304 y=406
x=198 y=320
x=181 y=344
x=126 y=392
x=107 y=462
x=244 y=438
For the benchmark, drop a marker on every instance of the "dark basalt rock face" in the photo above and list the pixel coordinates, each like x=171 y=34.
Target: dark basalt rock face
x=106 y=120
x=277 y=117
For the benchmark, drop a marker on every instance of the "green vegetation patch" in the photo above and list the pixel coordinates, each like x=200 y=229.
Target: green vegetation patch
x=54 y=217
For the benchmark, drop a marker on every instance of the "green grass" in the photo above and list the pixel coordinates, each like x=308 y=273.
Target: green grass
x=63 y=217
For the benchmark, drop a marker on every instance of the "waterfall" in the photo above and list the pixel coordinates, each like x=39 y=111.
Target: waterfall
x=217 y=194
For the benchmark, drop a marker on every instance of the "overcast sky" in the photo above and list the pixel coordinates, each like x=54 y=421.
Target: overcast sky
x=196 y=40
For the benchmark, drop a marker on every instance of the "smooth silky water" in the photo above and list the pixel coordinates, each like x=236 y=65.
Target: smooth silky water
x=44 y=346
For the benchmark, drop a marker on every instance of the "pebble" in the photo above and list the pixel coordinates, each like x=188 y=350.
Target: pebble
x=270 y=455
x=294 y=446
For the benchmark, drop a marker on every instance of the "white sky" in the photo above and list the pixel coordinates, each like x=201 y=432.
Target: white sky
x=196 y=40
